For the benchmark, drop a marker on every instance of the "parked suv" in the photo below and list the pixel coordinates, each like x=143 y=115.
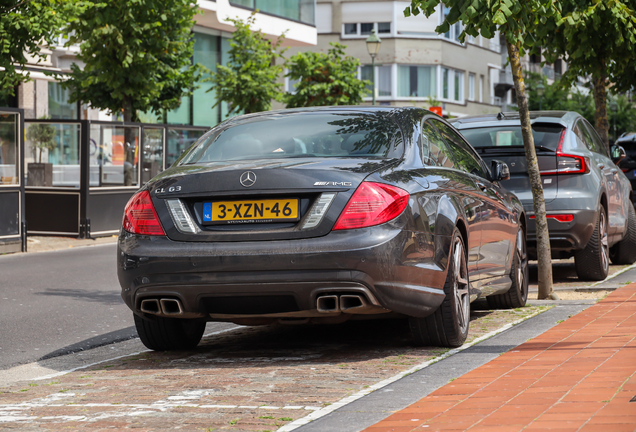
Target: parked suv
x=628 y=165
x=590 y=214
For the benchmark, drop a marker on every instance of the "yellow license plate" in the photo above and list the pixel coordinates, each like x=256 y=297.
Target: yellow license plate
x=251 y=211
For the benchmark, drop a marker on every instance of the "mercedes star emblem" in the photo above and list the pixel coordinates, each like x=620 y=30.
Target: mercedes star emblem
x=248 y=178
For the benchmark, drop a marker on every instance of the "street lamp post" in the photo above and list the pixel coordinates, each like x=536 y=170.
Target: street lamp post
x=373 y=46
x=540 y=91
x=614 y=108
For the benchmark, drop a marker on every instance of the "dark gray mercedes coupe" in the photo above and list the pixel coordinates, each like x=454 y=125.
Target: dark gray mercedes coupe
x=319 y=216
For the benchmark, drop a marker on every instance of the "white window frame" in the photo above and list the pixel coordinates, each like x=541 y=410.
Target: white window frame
x=393 y=94
x=358 y=34
x=451 y=86
x=481 y=88
x=452 y=37
x=471 y=86
x=415 y=98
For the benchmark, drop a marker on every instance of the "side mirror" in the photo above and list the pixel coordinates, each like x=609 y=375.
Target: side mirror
x=618 y=154
x=500 y=170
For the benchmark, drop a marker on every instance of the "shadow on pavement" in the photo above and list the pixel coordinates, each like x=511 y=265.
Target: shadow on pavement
x=108 y=298
x=347 y=343
x=94 y=342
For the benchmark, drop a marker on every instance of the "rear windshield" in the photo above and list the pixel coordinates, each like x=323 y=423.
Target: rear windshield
x=296 y=135
x=545 y=135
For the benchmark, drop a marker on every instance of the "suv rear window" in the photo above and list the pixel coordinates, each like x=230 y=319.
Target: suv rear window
x=545 y=135
x=296 y=135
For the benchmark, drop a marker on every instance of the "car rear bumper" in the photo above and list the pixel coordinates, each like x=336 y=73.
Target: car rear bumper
x=391 y=269
x=565 y=237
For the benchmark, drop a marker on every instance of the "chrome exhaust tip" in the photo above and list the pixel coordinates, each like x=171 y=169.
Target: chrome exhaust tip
x=352 y=301
x=150 y=306
x=171 y=307
x=327 y=304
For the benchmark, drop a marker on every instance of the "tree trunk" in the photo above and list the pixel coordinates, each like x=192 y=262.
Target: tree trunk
x=128 y=110
x=543 y=238
x=600 y=113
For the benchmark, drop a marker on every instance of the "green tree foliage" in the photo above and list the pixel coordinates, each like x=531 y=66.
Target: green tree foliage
x=26 y=26
x=325 y=79
x=597 y=39
x=520 y=21
x=559 y=98
x=42 y=135
x=136 y=54
x=249 y=81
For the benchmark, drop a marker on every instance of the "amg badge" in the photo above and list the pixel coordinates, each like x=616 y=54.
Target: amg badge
x=332 y=184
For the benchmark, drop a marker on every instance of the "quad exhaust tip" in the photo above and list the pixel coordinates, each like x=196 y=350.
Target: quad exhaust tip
x=352 y=301
x=150 y=306
x=162 y=306
x=342 y=303
x=327 y=303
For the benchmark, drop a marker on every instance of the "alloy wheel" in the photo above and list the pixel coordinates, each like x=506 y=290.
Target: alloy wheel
x=522 y=267
x=602 y=233
x=462 y=300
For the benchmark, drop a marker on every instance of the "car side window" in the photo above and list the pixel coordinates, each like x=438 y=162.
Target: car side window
x=598 y=143
x=466 y=159
x=433 y=149
x=584 y=135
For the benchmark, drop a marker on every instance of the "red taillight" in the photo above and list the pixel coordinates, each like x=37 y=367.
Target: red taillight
x=372 y=204
x=140 y=216
x=559 y=217
x=567 y=163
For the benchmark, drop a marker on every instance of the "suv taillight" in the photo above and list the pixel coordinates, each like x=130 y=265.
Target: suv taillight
x=568 y=163
x=372 y=204
x=140 y=216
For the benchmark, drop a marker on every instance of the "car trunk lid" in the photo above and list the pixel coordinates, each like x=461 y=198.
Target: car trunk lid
x=278 y=199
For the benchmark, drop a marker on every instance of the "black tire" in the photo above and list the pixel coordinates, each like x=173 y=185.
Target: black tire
x=448 y=325
x=517 y=295
x=592 y=263
x=169 y=334
x=624 y=252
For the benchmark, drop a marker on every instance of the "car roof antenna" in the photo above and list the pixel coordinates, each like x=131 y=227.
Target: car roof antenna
x=500 y=116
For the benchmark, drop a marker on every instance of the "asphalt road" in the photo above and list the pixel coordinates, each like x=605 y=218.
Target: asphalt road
x=53 y=303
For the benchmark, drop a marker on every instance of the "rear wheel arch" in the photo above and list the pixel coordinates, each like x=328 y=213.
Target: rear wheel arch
x=604 y=203
x=461 y=226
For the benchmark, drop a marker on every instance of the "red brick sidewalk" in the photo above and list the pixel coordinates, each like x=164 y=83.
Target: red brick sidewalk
x=578 y=376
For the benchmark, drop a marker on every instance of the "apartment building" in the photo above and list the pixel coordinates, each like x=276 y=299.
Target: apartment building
x=414 y=63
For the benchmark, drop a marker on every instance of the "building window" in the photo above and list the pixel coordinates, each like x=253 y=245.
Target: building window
x=417 y=81
x=455 y=30
x=384 y=27
x=59 y=106
x=471 y=87
x=481 y=88
x=351 y=29
x=452 y=85
x=298 y=10
x=383 y=79
x=365 y=29
x=459 y=86
x=445 y=83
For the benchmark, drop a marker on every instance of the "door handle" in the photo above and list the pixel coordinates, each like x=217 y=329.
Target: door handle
x=482 y=186
x=614 y=171
x=601 y=166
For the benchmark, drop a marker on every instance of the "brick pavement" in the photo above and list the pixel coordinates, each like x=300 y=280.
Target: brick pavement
x=578 y=376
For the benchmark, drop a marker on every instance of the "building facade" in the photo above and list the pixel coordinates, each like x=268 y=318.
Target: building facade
x=415 y=65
